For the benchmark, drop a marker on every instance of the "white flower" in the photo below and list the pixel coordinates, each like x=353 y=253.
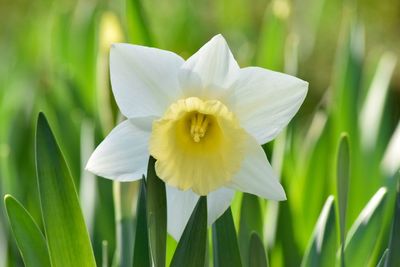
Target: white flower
x=203 y=119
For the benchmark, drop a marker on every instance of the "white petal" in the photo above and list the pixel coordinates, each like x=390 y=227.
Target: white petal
x=144 y=80
x=180 y=205
x=210 y=71
x=218 y=202
x=256 y=175
x=123 y=154
x=265 y=101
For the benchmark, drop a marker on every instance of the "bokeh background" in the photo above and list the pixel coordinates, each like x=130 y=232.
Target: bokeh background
x=54 y=58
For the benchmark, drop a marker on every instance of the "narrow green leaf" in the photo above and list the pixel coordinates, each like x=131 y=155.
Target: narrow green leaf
x=141 y=254
x=257 y=256
x=138 y=30
x=225 y=244
x=364 y=233
x=67 y=236
x=123 y=194
x=322 y=247
x=156 y=215
x=27 y=234
x=191 y=249
x=394 y=244
x=384 y=259
x=343 y=172
x=250 y=221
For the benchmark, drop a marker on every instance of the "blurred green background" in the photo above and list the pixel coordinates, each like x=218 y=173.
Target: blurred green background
x=54 y=58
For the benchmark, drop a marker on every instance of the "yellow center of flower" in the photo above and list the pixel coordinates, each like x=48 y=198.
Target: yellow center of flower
x=198 y=125
x=198 y=144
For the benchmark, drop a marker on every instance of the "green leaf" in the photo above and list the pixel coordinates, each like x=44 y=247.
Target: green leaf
x=191 y=249
x=394 y=244
x=141 y=254
x=156 y=215
x=225 y=244
x=257 y=256
x=322 y=247
x=343 y=172
x=67 y=236
x=364 y=233
x=384 y=259
x=250 y=221
x=27 y=234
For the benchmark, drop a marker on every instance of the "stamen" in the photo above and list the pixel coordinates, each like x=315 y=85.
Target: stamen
x=198 y=126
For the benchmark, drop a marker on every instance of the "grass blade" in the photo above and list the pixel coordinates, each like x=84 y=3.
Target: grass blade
x=257 y=256
x=225 y=244
x=383 y=261
x=250 y=221
x=141 y=254
x=156 y=215
x=393 y=258
x=343 y=172
x=67 y=236
x=322 y=248
x=27 y=234
x=191 y=249
x=364 y=233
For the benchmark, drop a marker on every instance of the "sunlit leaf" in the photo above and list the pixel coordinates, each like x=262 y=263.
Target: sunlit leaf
x=156 y=215
x=67 y=236
x=322 y=248
x=28 y=236
x=225 y=244
x=191 y=249
x=364 y=233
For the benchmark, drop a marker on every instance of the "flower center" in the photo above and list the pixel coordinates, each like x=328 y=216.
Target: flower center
x=199 y=145
x=198 y=125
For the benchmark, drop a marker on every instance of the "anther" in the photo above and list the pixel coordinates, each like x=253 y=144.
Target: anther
x=198 y=126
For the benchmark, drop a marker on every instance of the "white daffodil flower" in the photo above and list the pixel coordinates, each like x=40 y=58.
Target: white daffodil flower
x=202 y=119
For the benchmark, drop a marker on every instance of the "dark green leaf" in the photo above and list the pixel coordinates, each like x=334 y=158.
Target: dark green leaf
x=257 y=256
x=27 y=234
x=364 y=233
x=225 y=244
x=67 y=236
x=156 y=215
x=394 y=244
x=343 y=171
x=383 y=261
x=250 y=221
x=191 y=249
x=322 y=248
x=141 y=254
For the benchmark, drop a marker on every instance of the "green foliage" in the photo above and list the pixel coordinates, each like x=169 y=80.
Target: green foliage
x=393 y=257
x=250 y=221
x=156 y=215
x=343 y=172
x=55 y=59
x=257 y=256
x=27 y=234
x=191 y=249
x=141 y=255
x=66 y=233
x=364 y=234
x=322 y=248
x=225 y=245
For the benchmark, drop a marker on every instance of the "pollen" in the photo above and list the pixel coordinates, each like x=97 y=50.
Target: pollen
x=198 y=126
x=198 y=144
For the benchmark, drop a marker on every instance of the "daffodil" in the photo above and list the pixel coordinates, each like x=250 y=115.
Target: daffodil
x=203 y=120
